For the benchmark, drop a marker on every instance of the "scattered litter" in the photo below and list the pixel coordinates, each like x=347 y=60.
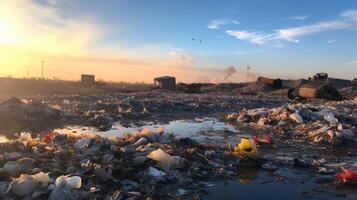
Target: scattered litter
x=246 y=149
x=26 y=185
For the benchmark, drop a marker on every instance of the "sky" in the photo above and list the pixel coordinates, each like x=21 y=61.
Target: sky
x=137 y=40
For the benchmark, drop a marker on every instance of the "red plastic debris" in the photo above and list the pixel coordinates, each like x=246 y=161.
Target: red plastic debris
x=347 y=176
x=262 y=139
x=48 y=137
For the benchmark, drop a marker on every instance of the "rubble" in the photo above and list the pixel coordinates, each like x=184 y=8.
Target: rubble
x=273 y=135
x=26 y=185
x=102 y=111
x=330 y=123
x=97 y=164
x=15 y=113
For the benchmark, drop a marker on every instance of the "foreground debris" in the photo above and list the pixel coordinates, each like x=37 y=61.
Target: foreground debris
x=139 y=165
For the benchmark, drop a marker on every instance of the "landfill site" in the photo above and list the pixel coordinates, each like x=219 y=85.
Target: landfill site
x=266 y=139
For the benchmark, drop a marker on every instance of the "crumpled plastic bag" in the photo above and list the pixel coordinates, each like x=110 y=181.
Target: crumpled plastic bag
x=65 y=186
x=246 y=149
x=146 y=132
x=22 y=165
x=26 y=185
x=296 y=118
x=331 y=118
x=165 y=161
x=153 y=172
x=82 y=143
x=347 y=176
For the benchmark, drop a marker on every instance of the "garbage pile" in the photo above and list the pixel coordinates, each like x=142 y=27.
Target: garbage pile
x=102 y=110
x=142 y=165
x=17 y=113
x=327 y=123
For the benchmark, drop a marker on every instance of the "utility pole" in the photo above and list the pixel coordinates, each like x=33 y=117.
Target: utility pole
x=248 y=73
x=43 y=63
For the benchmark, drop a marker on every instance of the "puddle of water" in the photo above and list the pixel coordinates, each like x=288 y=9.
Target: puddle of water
x=206 y=129
x=296 y=185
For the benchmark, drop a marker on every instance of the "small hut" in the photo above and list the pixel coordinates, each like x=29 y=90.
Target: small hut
x=87 y=79
x=165 y=82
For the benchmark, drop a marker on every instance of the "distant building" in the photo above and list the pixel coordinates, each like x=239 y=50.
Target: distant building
x=165 y=82
x=87 y=79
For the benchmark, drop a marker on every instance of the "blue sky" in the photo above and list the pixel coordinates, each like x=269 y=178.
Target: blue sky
x=276 y=38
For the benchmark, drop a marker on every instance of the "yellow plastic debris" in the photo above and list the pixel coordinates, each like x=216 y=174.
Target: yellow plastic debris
x=246 y=149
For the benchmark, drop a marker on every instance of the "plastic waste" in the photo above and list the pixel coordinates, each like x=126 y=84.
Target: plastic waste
x=141 y=141
x=82 y=143
x=146 y=132
x=266 y=139
x=48 y=137
x=160 y=130
x=66 y=101
x=3 y=139
x=296 y=118
x=246 y=149
x=347 y=176
x=145 y=111
x=165 y=161
x=26 y=185
x=64 y=187
x=331 y=118
x=25 y=138
x=269 y=166
x=15 y=168
x=152 y=171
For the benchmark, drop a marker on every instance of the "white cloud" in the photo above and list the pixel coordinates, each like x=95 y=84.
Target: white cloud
x=252 y=36
x=289 y=34
x=181 y=58
x=346 y=21
x=292 y=34
x=215 y=24
x=299 y=17
x=350 y=15
x=354 y=62
x=331 y=41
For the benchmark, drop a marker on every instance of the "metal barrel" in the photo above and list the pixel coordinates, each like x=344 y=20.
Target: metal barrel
x=307 y=92
x=322 y=92
x=276 y=83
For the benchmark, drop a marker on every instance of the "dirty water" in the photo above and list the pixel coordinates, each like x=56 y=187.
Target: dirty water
x=199 y=129
x=281 y=184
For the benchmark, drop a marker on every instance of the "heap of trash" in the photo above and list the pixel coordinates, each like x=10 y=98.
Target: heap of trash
x=143 y=165
x=331 y=122
x=101 y=111
x=33 y=113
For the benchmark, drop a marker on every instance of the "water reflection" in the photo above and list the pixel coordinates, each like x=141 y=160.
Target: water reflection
x=200 y=129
